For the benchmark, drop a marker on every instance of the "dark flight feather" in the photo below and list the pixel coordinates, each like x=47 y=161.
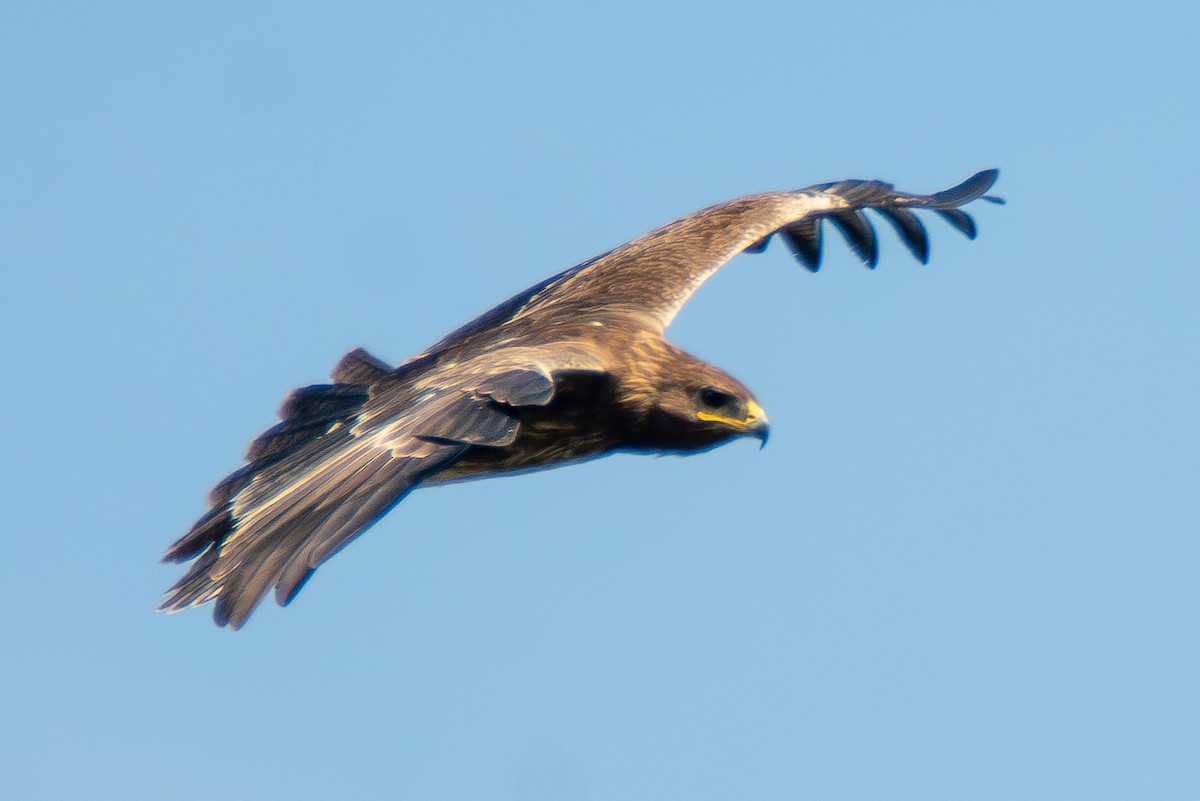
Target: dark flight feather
x=962 y=222
x=859 y=233
x=911 y=231
x=971 y=189
x=804 y=240
x=760 y=245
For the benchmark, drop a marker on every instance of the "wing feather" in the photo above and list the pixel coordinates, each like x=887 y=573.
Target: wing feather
x=803 y=238
x=912 y=233
x=964 y=223
x=342 y=456
x=304 y=509
x=658 y=272
x=759 y=246
x=860 y=235
x=370 y=503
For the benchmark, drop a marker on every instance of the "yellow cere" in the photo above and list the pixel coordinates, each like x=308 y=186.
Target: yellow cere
x=754 y=413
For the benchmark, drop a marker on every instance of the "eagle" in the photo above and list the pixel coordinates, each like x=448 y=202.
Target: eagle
x=573 y=368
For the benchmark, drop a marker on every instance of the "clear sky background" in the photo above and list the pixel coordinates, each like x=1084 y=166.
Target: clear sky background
x=966 y=566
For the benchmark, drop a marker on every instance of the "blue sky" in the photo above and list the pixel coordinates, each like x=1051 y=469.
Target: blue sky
x=964 y=568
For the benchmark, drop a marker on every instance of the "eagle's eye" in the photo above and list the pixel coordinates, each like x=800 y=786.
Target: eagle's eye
x=714 y=398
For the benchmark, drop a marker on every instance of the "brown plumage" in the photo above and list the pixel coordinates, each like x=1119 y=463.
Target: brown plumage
x=573 y=368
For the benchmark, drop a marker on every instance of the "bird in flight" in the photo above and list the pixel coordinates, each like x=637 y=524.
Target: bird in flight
x=572 y=368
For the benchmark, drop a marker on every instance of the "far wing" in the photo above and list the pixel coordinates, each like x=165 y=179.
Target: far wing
x=656 y=273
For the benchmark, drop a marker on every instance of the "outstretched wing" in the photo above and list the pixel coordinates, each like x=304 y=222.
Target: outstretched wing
x=343 y=455
x=656 y=273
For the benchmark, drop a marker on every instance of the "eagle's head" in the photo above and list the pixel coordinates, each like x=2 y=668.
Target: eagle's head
x=694 y=406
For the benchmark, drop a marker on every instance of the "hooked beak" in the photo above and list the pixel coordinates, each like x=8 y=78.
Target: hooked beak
x=757 y=424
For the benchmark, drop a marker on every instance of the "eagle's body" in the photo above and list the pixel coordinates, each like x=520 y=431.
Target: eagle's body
x=573 y=368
